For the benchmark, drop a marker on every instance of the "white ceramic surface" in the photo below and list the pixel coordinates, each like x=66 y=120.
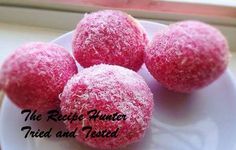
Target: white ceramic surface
x=202 y=120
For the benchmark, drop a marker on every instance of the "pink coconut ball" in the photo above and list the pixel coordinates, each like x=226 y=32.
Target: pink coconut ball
x=188 y=55
x=35 y=74
x=109 y=89
x=109 y=37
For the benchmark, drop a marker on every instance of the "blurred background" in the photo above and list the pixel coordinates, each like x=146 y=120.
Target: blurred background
x=44 y=20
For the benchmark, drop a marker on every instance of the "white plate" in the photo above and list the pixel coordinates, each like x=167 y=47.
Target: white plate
x=202 y=120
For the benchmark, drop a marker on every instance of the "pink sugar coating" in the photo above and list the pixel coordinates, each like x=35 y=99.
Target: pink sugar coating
x=111 y=89
x=110 y=37
x=35 y=74
x=188 y=55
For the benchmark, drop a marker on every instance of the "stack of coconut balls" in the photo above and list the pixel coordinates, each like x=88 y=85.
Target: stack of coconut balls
x=111 y=46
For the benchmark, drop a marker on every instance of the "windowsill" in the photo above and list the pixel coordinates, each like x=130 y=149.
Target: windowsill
x=220 y=10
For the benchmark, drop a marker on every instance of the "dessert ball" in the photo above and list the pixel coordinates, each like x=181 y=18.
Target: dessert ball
x=109 y=90
x=109 y=37
x=188 y=55
x=35 y=74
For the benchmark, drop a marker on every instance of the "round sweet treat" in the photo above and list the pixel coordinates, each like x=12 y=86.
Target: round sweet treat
x=119 y=98
x=109 y=37
x=35 y=74
x=188 y=55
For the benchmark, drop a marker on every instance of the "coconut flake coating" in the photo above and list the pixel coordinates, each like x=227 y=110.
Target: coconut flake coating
x=110 y=89
x=35 y=74
x=109 y=37
x=188 y=55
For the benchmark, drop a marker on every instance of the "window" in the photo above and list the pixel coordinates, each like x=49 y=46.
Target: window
x=202 y=8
